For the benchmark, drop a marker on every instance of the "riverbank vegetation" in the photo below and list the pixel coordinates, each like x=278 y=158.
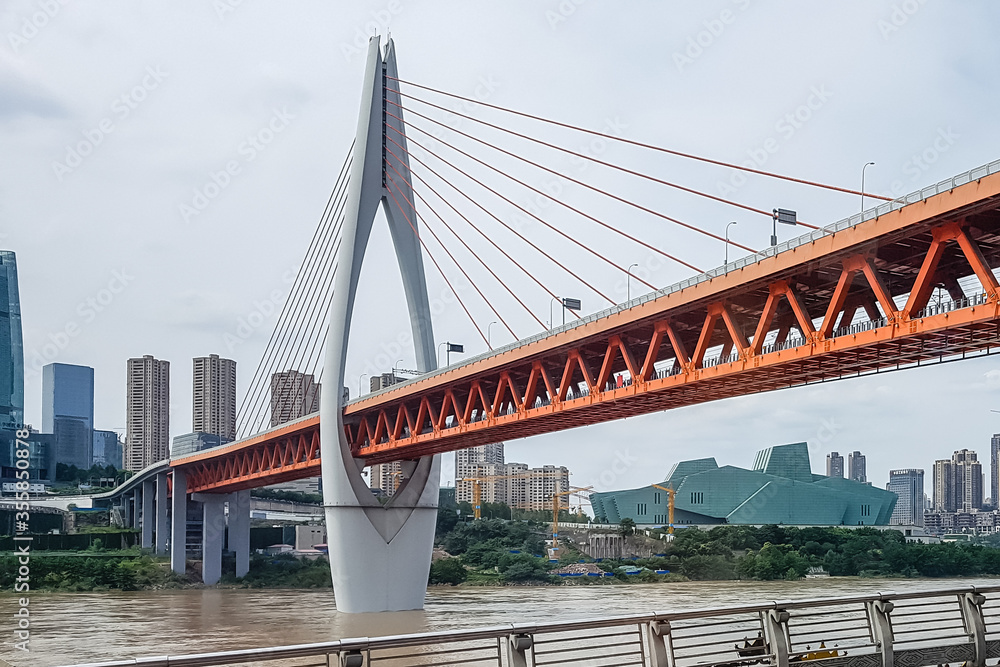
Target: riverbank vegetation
x=496 y=552
x=504 y=552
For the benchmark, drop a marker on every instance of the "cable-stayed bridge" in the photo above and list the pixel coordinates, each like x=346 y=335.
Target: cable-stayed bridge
x=908 y=282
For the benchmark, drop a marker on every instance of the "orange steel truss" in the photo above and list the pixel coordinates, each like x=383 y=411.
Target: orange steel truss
x=858 y=301
x=288 y=452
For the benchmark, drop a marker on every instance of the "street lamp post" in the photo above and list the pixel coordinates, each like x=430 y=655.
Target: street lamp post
x=869 y=164
x=628 y=282
x=489 y=344
x=552 y=322
x=727 y=239
x=360 y=378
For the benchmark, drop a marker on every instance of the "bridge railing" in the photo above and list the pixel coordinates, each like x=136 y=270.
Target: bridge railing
x=951 y=626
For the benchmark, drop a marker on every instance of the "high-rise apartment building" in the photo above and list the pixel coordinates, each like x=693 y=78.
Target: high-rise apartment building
x=958 y=483
x=293 y=395
x=995 y=471
x=68 y=413
x=944 y=486
x=386 y=477
x=968 y=481
x=147 y=438
x=11 y=346
x=542 y=483
x=834 y=465
x=214 y=392
x=471 y=462
x=908 y=485
x=856 y=468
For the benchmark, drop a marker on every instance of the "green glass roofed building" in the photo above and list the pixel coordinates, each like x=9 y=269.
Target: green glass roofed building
x=779 y=489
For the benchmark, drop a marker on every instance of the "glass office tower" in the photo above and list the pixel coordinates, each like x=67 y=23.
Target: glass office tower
x=11 y=346
x=68 y=412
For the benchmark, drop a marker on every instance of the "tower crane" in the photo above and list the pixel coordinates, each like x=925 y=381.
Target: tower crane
x=670 y=506
x=477 y=486
x=555 y=511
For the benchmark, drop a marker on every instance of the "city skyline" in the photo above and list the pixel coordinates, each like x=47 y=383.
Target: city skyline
x=123 y=304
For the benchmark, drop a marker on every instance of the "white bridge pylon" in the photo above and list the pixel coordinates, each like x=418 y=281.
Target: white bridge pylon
x=379 y=555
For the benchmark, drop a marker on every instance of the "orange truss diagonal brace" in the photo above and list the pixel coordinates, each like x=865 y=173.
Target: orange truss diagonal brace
x=881 y=293
x=502 y=386
x=680 y=352
x=531 y=389
x=655 y=343
x=633 y=368
x=475 y=394
x=515 y=393
x=766 y=317
x=801 y=314
x=734 y=331
x=448 y=400
x=588 y=375
x=838 y=298
x=402 y=421
x=924 y=283
x=707 y=330
x=975 y=256
x=547 y=379
x=615 y=346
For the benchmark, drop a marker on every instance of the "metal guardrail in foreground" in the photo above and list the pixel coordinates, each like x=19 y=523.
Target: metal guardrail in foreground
x=959 y=626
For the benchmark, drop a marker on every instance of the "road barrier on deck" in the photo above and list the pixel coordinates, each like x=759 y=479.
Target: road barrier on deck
x=954 y=626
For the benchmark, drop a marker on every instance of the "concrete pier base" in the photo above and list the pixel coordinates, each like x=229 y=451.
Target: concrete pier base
x=146 y=520
x=162 y=520
x=178 y=523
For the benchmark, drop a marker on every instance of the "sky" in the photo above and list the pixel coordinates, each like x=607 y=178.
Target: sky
x=117 y=118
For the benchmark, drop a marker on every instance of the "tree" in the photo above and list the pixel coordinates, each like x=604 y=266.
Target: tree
x=626 y=527
x=447 y=571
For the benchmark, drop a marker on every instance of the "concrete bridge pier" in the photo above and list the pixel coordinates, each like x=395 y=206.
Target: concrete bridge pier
x=239 y=530
x=126 y=510
x=213 y=531
x=178 y=523
x=162 y=522
x=148 y=488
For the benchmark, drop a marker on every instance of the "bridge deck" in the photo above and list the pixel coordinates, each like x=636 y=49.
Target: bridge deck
x=851 y=299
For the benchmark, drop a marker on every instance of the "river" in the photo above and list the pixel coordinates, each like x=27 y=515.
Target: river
x=69 y=628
